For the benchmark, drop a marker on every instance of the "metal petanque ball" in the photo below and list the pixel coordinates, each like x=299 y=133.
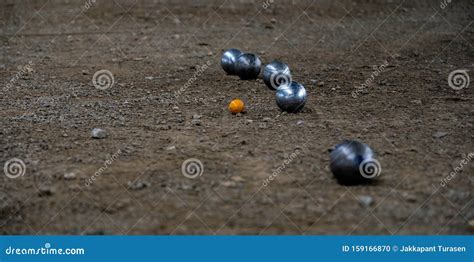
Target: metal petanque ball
x=353 y=162
x=228 y=60
x=276 y=74
x=248 y=66
x=291 y=97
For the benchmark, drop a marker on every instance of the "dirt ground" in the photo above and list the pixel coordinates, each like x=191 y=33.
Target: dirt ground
x=168 y=103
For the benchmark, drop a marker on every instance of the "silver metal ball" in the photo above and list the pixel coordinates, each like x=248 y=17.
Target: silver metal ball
x=248 y=66
x=353 y=162
x=276 y=74
x=228 y=60
x=291 y=97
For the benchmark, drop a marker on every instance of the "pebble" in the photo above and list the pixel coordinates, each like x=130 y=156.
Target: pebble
x=471 y=224
x=149 y=78
x=440 y=134
x=238 y=179
x=171 y=148
x=138 y=185
x=365 y=201
x=267 y=119
x=196 y=122
x=44 y=101
x=98 y=133
x=228 y=184
x=69 y=176
x=45 y=191
x=299 y=122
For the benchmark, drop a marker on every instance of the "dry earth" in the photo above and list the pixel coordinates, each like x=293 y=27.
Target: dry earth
x=168 y=104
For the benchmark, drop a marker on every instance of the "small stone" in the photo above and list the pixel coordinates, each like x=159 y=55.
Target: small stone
x=45 y=191
x=44 y=101
x=138 y=185
x=85 y=72
x=440 y=134
x=249 y=121
x=321 y=83
x=149 y=78
x=267 y=119
x=365 y=201
x=228 y=184
x=197 y=116
x=471 y=224
x=98 y=133
x=69 y=176
x=262 y=126
x=238 y=179
x=299 y=122
x=171 y=148
x=196 y=122
x=273 y=20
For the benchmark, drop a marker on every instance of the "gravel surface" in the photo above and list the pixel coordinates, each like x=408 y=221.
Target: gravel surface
x=148 y=73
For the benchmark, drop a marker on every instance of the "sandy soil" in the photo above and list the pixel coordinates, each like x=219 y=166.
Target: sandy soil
x=420 y=128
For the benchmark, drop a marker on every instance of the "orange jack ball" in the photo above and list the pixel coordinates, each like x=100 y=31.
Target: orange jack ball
x=236 y=106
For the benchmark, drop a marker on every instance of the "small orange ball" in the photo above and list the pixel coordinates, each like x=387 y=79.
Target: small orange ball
x=236 y=106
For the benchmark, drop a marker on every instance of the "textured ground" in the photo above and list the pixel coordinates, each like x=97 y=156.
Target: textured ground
x=420 y=128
